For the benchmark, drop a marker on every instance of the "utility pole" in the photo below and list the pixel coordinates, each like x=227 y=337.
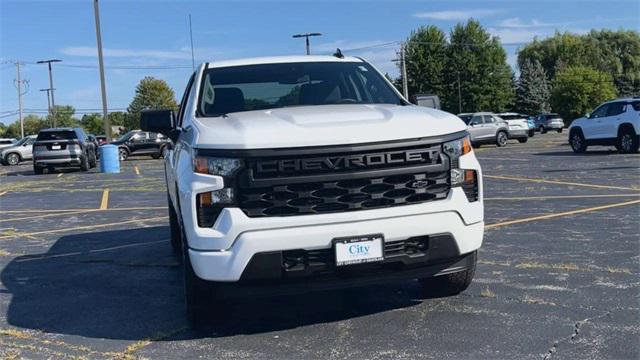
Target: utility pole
x=306 y=36
x=405 y=81
x=193 y=61
x=18 y=83
x=103 y=86
x=48 y=100
x=459 y=95
x=53 y=103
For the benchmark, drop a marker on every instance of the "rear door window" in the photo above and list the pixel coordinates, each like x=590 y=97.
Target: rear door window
x=615 y=108
x=57 y=135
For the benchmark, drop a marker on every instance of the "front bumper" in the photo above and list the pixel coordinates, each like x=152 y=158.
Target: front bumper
x=223 y=252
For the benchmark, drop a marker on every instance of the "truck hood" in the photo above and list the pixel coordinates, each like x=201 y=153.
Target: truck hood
x=323 y=125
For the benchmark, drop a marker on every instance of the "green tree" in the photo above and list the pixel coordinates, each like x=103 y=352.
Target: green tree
x=533 y=89
x=92 y=123
x=425 y=58
x=64 y=116
x=578 y=89
x=613 y=52
x=32 y=125
x=477 y=72
x=151 y=93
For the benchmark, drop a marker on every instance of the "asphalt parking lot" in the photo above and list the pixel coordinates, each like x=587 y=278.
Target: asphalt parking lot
x=87 y=271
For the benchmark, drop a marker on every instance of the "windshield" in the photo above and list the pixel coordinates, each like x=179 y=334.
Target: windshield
x=269 y=86
x=57 y=135
x=125 y=136
x=465 y=118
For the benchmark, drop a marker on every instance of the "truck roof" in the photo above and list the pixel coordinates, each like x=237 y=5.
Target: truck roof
x=280 y=60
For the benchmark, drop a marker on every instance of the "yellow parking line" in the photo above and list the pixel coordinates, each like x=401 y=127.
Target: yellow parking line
x=104 y=203
x=135 y=168
x=561 y=197
x=85 y=227
x=559 y=182
x=47 y=215
x=566 y=213
x=60 y=174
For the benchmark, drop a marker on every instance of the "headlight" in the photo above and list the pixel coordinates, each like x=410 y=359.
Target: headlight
x=456 y=148
x=216 y=166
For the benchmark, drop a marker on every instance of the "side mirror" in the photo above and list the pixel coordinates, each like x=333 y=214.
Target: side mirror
x=161 y=121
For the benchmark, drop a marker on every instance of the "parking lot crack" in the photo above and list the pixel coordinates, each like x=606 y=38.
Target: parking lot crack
x=576 y=331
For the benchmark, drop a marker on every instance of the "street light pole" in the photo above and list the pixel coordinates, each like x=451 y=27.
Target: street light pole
x=53 y=103
x=306 y=36
x=48 y=100
x=103 y=86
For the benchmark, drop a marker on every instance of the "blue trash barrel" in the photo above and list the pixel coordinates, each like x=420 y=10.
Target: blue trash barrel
x=109 y=159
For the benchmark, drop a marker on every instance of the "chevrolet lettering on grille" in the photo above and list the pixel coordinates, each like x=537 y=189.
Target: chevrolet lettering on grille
x=353 y=162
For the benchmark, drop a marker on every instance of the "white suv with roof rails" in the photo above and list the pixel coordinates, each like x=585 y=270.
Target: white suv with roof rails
x=300 y=173
x=614 y=123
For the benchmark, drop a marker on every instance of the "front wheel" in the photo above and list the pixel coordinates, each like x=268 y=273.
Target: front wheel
x=501 y=139
x=578 y=142
x=450 y=284
x=123 y=153
x=202 y=298
x=12 y=159
x=627 y=142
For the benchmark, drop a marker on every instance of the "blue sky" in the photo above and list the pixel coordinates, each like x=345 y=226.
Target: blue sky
x=151 y=37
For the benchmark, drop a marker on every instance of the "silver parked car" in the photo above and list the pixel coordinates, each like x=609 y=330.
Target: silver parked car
x=20 y=151
x=6 y=142
x=546 y=122
x=486 y=128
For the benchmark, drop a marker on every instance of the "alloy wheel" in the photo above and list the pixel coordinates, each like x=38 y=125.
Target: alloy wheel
x=13 y=159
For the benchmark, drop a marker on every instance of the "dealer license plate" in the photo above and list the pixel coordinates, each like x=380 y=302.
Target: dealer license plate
x=359 y=249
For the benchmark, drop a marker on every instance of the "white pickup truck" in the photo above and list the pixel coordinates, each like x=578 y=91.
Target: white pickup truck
x=299 y=173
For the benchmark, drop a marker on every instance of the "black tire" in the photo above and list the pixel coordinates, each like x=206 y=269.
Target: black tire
x=12 y=159
x=523 y=140
x=84 y=162
x=577 y=142
x=93 y=161
x=542 y=130
x=450 y=284
x=627 y=142
x=204 y=305
x=38 y=170
x=532 y=133
x=123 y=153
x=175 y=230
x=560 y=131
x=502 y=138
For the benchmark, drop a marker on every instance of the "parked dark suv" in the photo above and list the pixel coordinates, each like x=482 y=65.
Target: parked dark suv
x=63 y=147
x=137 y=142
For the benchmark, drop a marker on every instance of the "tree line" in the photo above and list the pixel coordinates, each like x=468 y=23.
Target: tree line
x=150 y=93
x=566 y=73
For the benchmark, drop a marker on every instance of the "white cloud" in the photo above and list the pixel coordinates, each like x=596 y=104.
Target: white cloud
x=511 y=36
x=455 y=14
x=516 y=22
x=183 y=53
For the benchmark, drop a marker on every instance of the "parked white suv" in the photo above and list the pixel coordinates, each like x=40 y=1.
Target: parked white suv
x=614 y=123
x=312 y=172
